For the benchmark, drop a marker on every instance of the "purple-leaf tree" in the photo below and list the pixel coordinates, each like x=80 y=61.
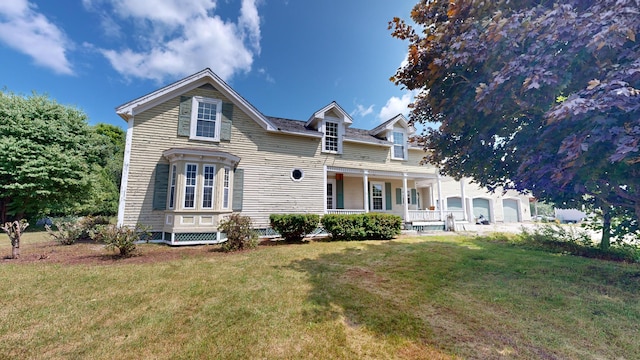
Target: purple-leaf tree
x=542 y=96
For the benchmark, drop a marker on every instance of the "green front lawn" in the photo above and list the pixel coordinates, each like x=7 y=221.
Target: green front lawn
x=431 y=297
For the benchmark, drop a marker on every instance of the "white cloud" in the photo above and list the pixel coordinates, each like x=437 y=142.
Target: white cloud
x=267 y=76
x=31 y=33
x=395 y=106
x=179 y=37
x=362 y=111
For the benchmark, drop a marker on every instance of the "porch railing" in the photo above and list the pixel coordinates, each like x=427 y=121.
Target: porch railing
x=434 y=215
x=345 y=211
x=414 y=215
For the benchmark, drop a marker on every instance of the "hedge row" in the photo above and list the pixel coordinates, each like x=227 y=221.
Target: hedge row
x=293 y=227
x=370 y=226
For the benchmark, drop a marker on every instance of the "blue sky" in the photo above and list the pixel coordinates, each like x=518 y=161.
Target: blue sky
x=288 y=58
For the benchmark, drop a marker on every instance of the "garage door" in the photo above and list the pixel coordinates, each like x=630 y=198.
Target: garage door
x=481 y=207
x=454 y=203
x=511 y=213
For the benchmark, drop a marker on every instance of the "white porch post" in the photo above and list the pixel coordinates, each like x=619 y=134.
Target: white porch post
x=440 y=202
x=463 y=200
x=406 y=196
x=432 y=196
x=365 y=186
x=325 y=189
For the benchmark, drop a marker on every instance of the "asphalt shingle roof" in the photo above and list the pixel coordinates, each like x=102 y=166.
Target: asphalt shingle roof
x=298 y=126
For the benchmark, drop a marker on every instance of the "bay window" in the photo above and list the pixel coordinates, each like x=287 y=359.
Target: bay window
x=208 y=176
x=191 y=173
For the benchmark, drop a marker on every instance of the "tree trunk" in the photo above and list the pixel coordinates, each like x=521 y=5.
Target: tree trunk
x=15 y=250
x=3 y=210
x=605 y=243
x=14 y=230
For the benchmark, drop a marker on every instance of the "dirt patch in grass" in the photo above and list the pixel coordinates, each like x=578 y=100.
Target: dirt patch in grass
x=92 y=253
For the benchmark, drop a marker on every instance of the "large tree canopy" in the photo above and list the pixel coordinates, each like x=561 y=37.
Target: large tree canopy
x=531 y=95
x=45 y=149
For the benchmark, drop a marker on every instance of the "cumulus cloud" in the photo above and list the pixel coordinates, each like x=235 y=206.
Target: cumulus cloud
x=395 y=106
x=362 y=111
x=26 y=30
x=178 y=37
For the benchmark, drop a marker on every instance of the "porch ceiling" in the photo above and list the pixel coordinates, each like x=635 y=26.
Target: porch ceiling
x=380 y=173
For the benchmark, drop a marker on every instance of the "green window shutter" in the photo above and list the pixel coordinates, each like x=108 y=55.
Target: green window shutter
x=340 y=194
x=225 y=124
x=414 y=197
x=184 y=116
x=387 y=195
x=160 y=187
x=238 y=184
x=398 y=196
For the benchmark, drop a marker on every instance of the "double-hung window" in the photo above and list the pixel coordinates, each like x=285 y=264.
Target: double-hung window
x=208 y=175
x=331 y=137
x=191 y=174
x=331 y=186
x=205 y=118
x=225 y=188
x=172 y=191
x=377 y=196
x=399 y=145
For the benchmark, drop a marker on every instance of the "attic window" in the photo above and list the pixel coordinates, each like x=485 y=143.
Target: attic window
x=331 y=136
x=399 y=146
x=205 y=118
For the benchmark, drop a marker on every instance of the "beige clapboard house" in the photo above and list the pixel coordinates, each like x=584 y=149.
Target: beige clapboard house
x=197 y=151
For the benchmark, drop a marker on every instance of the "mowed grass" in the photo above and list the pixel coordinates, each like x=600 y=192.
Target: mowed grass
x=436 y=297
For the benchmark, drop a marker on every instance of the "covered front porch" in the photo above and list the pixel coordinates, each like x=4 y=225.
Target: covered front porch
x=416 y=197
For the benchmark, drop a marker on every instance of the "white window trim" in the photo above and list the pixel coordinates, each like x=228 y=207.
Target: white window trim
x=340 y=132
x=213 y=187
x=404 y=146
x=195 y=187
x=226 y=187
x=384 y=205
x=194 y=118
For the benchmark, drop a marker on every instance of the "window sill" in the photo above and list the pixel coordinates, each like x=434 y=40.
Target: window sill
x=201 y=138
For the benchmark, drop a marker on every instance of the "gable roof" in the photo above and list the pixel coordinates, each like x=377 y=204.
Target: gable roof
x=319 y=115
x=299 y=127
x=389 y=125
x=271 y=124
x=203 y=77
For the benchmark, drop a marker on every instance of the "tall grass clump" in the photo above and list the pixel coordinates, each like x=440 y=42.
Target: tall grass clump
x=571 y=240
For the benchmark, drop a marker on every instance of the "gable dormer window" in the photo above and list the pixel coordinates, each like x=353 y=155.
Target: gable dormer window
x=331 y=121
x=205 y=118
x=399 y=146
x=331 y=137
